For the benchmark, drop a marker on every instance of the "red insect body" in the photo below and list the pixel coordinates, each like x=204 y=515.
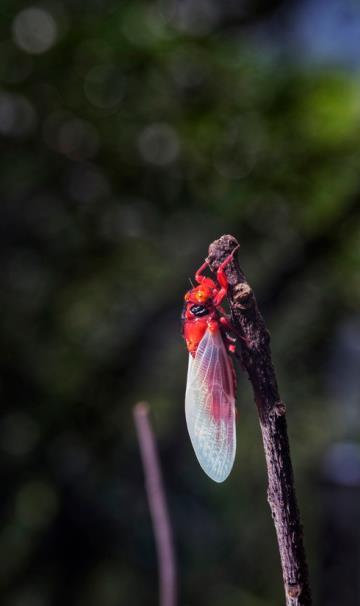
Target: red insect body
x=202 y=306
x=210 y=392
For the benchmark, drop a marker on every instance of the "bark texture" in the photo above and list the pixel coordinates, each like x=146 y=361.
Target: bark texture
x=256 y=360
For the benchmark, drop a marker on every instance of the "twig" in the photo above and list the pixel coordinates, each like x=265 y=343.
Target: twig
x=256 y=360
x=157 y=505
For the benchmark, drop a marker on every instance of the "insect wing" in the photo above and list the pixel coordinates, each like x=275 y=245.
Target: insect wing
x=210 y=406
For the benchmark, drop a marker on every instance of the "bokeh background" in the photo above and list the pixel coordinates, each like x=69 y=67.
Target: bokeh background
x=132 y=134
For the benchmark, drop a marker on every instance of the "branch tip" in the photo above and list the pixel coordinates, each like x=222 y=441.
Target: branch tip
x=141 y=408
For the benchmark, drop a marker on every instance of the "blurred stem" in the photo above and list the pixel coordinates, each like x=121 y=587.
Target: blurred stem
x=157 y=505
x=256 y=360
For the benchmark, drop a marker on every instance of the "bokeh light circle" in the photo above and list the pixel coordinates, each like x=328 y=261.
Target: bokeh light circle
x=35 y=30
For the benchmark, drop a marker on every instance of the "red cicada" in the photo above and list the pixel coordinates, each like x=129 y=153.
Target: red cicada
x=211 y=380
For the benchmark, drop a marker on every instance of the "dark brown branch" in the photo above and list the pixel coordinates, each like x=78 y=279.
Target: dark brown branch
x=256 y=359
x=157 y=505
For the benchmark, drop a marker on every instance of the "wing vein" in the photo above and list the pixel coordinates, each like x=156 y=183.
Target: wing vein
x=210 y=406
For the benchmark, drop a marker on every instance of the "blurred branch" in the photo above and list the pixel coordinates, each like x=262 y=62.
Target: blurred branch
x=256 y=359
x=157 y=504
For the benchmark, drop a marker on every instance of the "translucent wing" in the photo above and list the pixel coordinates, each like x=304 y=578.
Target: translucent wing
x=210 y=406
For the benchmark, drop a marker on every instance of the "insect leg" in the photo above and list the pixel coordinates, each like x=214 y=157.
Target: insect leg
x=198 y=276
x=222 y=279
x=220 y=274
x=208 y=282
x=227 y=324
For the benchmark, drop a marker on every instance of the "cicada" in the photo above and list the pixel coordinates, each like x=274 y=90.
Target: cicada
x=211 y=381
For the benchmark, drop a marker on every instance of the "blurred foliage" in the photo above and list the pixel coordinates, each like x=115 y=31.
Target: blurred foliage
x=132 y=134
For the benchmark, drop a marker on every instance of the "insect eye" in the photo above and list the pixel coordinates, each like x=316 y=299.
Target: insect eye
x=199 y=310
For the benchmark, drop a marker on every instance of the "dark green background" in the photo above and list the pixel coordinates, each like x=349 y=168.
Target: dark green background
x=141 y=132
